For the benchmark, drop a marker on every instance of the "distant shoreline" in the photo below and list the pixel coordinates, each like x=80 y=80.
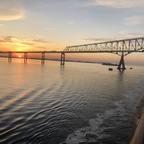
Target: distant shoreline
x=111 y=64
x=78 y=61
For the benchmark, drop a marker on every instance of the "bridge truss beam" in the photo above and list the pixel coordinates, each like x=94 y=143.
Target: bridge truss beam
x=125 y=46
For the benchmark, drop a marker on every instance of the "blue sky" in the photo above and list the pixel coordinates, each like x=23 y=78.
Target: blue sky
x=55 y=24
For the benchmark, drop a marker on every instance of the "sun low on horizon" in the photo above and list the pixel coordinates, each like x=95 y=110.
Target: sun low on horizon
x=19 y=56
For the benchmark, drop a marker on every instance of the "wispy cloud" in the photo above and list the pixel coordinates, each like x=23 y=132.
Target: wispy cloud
x=125 y=34
x=70 y=22
x=40 y=41
x=40 y=36
x=15 y=43
x=64 y=3
x=134 y=20
x=11 y=10
x=120 y=4
x=84 y=3
x=5 y=39
x=97 y=39
x=121 y=35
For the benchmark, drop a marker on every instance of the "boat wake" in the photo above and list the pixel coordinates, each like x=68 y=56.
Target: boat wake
x=110 y=125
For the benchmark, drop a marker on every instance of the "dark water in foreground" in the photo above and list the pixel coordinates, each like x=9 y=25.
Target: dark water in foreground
x=77 y=103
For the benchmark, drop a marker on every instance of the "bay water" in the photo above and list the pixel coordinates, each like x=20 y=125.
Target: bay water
x=77 y=103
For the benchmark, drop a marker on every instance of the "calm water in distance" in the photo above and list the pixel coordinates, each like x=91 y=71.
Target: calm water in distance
x=81 y=102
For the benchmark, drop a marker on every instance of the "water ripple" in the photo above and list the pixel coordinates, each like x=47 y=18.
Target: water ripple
x=51 y=105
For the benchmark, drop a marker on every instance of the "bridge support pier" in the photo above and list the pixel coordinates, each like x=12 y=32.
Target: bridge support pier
x=25 y=57
x=10 y=57
x=121 y=66
x=43 y=58
x=62 y=59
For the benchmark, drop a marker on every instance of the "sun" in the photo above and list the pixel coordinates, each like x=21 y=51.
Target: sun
x=19 y=56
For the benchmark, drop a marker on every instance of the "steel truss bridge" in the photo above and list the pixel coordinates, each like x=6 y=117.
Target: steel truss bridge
x=119 y=47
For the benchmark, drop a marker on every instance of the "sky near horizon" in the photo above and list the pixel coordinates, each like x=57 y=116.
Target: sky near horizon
x=55 y=24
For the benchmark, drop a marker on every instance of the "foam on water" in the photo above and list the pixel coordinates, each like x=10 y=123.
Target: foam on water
x=114 y=117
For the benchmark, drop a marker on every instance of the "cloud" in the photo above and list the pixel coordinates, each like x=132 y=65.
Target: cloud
x=40 y=41
x=70 y=22
x=15 y=43
x=11 y=10
x=63 y=3
x=134 y=20
x=97 y=39
x=125 y=34
x=121 y=35
x=6 y=39
x=120 y=4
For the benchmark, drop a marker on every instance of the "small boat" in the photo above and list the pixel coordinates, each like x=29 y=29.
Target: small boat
x=110 y=69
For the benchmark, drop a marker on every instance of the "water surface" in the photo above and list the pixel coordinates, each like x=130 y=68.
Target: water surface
x=81 y=102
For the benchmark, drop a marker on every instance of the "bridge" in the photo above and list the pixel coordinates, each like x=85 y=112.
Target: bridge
x=119 y=47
